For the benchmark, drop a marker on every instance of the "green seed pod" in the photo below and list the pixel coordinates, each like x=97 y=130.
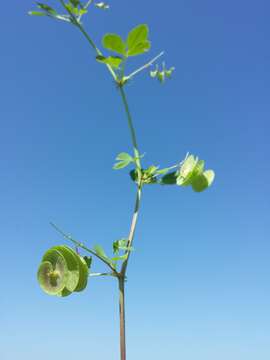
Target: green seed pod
x=53 y=273
x=62 y=271
x=186 y=171
x=84 y=274
x=203 y=180
x=73 y=266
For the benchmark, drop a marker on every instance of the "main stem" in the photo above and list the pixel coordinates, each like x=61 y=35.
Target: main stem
x=121 y=282
x=122 y=274
x=132 y=228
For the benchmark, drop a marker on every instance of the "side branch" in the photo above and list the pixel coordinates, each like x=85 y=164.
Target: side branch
x=151 y=62
x=82 y=246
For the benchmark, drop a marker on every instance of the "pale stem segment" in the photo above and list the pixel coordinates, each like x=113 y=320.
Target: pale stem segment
x=121 y=279
x=151 y=62
x=132 y=229
x=121 y=282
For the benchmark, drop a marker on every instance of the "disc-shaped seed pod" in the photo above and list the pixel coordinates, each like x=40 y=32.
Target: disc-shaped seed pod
x=203 y=181
x=186 y=171
x=84 y=274
x=62 y=271
x=53 y=273
x=73 y=266
x=81 y=266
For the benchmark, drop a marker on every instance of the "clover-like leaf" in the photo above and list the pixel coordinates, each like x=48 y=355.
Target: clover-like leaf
x=137 y=40
x=124 y=159
x=114 y=43
x=113 y=61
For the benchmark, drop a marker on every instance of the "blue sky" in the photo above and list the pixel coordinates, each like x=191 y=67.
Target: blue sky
x=198 y=283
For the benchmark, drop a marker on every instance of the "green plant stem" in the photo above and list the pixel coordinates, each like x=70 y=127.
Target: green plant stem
x=145 y=66
x=121 y=282
x=101 y=274
x=132 y=131
x=132 y=229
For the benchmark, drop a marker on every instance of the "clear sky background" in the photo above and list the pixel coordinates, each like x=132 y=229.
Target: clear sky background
x=198 y=283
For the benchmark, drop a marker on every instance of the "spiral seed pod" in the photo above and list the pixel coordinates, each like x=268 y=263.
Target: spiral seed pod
x=52 y=273
x=62 y=271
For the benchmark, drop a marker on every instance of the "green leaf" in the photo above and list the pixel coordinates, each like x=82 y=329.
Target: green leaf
x=121 y=257
x=82 y=12
x=37 y=13
x=124 y=157
x=120 y=245
x=46 y=8
x=203 y=181
x=121 y=165
x=169 y=179
x=75 y=10
x=137 y=41
x=101 y=253
x=151 y=170
x=124 y=160
x=139 y=48
x=114 y=43
x=113 y=61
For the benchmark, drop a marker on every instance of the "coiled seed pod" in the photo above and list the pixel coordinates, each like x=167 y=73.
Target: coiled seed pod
x=62 y=271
